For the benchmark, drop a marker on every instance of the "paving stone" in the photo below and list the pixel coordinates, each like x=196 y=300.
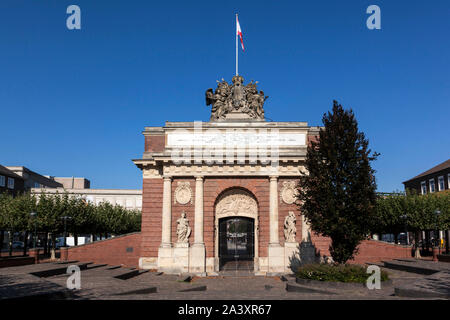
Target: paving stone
x=100 y=283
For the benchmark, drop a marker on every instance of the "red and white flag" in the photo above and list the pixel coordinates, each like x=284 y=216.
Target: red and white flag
x=239 y=33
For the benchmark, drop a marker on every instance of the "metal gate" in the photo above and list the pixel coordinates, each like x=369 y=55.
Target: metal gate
x=236 y=243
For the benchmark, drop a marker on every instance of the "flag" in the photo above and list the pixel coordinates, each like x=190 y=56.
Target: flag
x=239 y=33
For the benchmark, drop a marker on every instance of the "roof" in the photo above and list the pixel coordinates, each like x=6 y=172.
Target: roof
x=439 y=167
x=5 y=171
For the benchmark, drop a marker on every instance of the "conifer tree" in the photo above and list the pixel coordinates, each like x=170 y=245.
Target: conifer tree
x=337 y=194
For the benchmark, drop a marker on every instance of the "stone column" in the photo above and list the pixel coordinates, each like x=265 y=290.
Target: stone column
x=167 y=214
x=198 y=228
x=197 y=259
x=275 y=250
x=273 y=208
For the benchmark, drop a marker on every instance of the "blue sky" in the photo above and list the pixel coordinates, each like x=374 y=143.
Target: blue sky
x=74 y=102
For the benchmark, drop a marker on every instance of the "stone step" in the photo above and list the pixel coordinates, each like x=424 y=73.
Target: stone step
x=409 y=267
x=291 y=287
x=131 y=274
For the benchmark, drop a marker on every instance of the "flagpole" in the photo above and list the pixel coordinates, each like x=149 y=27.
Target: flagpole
x=236 y=46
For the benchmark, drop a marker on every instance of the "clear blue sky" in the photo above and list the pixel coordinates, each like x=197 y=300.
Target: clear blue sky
x=75 y=102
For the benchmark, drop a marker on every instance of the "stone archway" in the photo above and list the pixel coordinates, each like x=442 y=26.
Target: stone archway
x=236 y=202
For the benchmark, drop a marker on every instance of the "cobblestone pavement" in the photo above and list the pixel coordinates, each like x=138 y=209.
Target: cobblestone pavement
x=99 y=282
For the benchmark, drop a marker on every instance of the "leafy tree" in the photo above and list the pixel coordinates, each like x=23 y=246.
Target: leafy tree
x=85 y=217
x=413 y=211
x=390 y=215
x=337 y=194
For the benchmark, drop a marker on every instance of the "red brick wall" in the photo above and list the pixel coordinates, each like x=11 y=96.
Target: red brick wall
x=152 y=197
x=312 y=138
x=369 y=250
x=155 y=143
x=111 y=251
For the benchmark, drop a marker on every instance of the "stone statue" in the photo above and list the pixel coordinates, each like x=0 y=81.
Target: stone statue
x=242 y=102
x=290 y=230
x=183 y=229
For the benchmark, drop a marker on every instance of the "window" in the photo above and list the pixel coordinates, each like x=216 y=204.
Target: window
x=423 y=186
x=441 y=183
x=2 y=181
x=11 y=183
x=37 y=185
x=432 y=186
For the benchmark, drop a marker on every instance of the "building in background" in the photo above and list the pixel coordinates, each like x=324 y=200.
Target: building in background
x=34 y=180
x=433 y=180
x=73 y=183
x=20 y=178
x=10 y=182
x=127 y=198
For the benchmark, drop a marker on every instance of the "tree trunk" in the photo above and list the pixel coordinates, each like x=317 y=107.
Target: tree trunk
x=10 y=233
x=416 y=246
x=395 y=238
x=2 y=238
x=75 y=239
x=46 y=243
x=25 y=243
x=53 y=255
x=447 y=240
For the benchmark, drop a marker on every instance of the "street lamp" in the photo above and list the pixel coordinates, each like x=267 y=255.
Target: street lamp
x=404 y=217
x=65 y=218
x=34 y=216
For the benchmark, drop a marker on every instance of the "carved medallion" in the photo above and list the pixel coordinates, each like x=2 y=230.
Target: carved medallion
x=183 y=192
x=236 y=202
x=289 y=192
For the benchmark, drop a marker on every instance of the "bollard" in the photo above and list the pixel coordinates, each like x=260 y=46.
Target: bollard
x=64 y=253
x=34 y=252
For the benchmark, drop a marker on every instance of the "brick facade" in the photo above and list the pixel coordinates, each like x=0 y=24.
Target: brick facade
x=155 y=143
x=152 y=192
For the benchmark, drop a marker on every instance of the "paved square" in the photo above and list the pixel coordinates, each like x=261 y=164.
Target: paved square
x=48 y=281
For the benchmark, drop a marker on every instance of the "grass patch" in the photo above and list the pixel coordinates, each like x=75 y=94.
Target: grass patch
x=336 y=273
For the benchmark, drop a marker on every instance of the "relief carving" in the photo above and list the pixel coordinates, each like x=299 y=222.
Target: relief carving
x=290 y=229
x=183 y=229
x=183 y=193
x=289 y=192
x=236 y=202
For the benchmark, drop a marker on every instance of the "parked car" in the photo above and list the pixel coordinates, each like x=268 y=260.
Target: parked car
x=17 y=245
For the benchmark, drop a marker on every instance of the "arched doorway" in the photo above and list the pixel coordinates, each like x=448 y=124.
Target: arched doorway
x=236 y=231
x=236 y=244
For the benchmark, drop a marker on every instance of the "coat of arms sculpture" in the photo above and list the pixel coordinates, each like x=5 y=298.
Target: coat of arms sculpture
x=236 y=101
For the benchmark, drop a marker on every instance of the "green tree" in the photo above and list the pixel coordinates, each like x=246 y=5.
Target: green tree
x=337 y=194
